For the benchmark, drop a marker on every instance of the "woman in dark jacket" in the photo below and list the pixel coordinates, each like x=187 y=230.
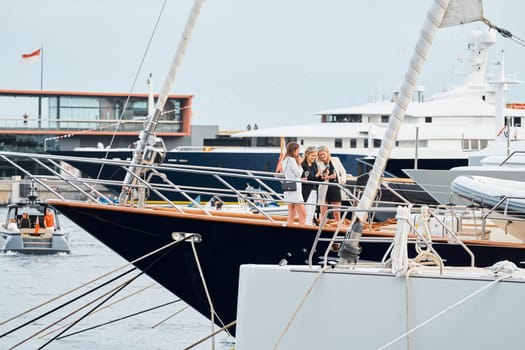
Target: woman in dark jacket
x=310 y=173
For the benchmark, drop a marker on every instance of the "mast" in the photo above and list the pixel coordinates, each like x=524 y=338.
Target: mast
x=151 y=100
x=499 y=120
x=500 y=88
x=441 y=13
x=147 y=135
x=41 y=85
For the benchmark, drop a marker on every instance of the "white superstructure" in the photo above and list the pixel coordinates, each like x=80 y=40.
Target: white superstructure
x=463 y=118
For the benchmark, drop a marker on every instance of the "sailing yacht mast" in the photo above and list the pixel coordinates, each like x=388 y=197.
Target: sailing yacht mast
x=147 y=135
x=442 y=13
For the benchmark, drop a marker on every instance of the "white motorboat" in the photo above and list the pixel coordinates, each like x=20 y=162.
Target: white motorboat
x=504 y=197
x=32 y=227
x=489 y=191
x=495 y=162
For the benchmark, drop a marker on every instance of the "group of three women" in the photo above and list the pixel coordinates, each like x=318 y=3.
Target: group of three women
x=318 y=166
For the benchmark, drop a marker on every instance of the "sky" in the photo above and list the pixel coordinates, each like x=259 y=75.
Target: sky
x=270 y=63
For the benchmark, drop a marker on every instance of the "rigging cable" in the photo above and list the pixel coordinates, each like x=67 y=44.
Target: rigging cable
x=146 y=50
x=504 y=32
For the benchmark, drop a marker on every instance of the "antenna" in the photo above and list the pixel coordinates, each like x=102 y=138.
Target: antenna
x=32 y=196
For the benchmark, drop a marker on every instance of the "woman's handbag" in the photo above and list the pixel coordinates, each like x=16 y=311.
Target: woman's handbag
x=287 y=186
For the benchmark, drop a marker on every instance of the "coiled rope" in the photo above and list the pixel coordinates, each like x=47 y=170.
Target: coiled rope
x=504 y=266
x=399 y=253
x=425 y=256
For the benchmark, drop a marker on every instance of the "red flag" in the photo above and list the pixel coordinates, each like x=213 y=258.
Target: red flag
x=31 y=57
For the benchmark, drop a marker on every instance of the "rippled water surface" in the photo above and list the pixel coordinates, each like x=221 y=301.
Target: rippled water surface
x=27 y=281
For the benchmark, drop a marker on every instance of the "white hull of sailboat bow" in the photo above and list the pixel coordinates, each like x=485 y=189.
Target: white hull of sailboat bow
x=367 y=307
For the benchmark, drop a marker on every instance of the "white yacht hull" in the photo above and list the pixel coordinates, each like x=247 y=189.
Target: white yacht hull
x=368 y=307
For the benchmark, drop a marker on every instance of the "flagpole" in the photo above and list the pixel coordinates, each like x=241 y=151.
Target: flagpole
x=41 y=85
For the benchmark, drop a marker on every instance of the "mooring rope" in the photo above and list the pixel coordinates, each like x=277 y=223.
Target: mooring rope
x=65 y=317
x=232 y=323
x=102 y=308
x=118 y=290
x=120 y=318
x=210 y=303
x=407 y=305
x=87 y=283
x=65 y=304
x=170 y=316
x=122 y=286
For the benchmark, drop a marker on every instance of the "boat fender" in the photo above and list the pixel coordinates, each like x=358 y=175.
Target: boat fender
x=348 y=252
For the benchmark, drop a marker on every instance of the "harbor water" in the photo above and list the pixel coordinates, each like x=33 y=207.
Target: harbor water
x=27 y=281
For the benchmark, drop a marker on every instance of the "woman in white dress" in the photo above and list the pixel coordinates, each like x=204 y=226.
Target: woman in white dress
x=292 y=170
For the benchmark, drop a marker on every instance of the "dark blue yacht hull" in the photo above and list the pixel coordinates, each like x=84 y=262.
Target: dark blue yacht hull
x=228 y=242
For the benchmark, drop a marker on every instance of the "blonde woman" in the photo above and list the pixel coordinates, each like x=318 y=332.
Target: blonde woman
x=333 y=172
x=292 y=170
x=311 y=172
